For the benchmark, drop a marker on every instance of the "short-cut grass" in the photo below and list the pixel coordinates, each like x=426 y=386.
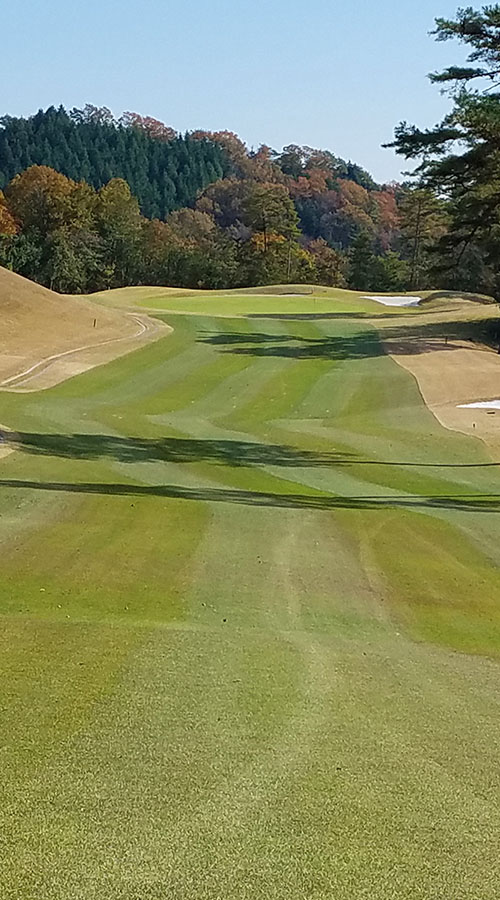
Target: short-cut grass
x=250 y=599
x=288 y=299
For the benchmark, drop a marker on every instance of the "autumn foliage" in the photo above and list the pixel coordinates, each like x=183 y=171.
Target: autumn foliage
x=115 y=202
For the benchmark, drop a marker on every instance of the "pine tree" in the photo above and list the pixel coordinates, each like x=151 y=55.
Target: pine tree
x=460 y=157
x=362 y=263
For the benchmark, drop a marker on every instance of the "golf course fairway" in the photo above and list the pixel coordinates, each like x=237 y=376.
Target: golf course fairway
x=250 y=600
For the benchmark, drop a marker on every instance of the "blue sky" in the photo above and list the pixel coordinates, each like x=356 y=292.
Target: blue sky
x=335 y=75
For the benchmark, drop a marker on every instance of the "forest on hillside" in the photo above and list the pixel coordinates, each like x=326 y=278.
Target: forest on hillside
x=91 y=202
x=164 y=170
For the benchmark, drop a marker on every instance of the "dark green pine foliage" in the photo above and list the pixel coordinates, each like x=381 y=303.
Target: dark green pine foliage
x=362 y=263
x=164 y=176
x=460 y=156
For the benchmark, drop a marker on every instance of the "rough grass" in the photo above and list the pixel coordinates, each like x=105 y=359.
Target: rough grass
x=250 y=598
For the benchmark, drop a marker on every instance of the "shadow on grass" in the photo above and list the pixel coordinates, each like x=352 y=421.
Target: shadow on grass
x=375 y=315
x=188 y=450
x=461 y=295
x=489 y=503
x=365 y=344
x=169 y=449
x=318 y=317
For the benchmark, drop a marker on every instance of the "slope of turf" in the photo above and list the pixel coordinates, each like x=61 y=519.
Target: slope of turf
x=250 y=604
x=43 y=330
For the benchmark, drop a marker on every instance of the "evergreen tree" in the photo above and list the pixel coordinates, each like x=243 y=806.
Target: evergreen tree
x=461 y=155
x=424 y=221
x=390 y=273
x=362 y=263
x=89 y=145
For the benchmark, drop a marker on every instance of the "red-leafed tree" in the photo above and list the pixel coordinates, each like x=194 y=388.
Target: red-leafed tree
x=387 y=216
x=153 y=127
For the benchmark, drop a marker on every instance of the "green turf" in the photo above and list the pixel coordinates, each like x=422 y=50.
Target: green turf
x=250 y=602
x=252 y=301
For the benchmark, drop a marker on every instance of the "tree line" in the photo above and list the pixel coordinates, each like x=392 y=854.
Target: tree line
x=165 y=170
x=90 y=202
x=73 y=238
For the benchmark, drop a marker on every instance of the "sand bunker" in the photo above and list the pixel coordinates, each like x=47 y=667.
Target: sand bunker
x=396 y=301
x=481 y=404
x=448 y=377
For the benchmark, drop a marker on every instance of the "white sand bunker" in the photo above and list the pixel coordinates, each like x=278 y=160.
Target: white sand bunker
x=481 y=404
x=396 y=301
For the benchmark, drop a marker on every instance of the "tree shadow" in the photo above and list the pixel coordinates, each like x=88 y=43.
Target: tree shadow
x=449 y=336
x=381 y=313
x=189 y=450
x=461 y=295
x=254 y=337
x=317 y=317
x=170 y=449
x=489 y=503
x=404 y=339
x=362 y=345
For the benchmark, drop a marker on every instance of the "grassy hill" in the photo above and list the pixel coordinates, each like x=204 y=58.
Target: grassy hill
x=250 y=607
x=50 y=336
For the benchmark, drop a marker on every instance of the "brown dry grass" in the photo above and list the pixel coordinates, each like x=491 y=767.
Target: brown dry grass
x=459 y=372
x=56 y=336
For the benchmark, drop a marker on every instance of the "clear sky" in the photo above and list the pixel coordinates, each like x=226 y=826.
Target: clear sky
x=333 y=74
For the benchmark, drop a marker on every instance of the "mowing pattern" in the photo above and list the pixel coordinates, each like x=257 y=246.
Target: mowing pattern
x=251 y=624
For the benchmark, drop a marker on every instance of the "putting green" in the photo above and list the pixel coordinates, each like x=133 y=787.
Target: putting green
x=301 y=300
x=250 y=600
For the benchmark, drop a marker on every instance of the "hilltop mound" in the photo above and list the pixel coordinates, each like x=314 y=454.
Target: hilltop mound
x=47 y=337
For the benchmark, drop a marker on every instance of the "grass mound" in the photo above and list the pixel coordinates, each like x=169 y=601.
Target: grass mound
x=43 y=330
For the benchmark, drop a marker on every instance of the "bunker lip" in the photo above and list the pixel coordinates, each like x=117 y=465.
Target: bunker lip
x=480 y=404
x=396 y=300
